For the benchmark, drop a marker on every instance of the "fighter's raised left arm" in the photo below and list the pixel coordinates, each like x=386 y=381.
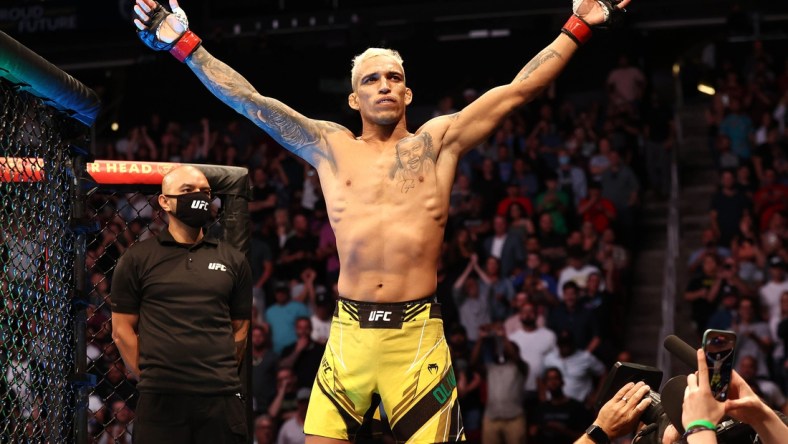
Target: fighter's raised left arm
x=476 y=121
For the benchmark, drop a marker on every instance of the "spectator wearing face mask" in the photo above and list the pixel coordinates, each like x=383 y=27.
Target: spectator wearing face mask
x=571 y=179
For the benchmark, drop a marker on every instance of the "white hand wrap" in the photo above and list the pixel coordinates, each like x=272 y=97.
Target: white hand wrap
x=179 y=15
x=605 y=8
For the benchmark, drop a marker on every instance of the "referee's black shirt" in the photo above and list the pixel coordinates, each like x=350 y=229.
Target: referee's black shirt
x=185 y=296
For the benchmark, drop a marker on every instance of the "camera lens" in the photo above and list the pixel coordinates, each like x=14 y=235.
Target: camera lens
x=654 y=410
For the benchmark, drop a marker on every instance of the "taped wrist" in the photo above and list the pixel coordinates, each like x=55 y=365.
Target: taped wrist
x=577 y=29
x=185 y=46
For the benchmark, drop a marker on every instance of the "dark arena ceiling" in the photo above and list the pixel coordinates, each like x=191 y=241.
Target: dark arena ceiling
x=302 y=48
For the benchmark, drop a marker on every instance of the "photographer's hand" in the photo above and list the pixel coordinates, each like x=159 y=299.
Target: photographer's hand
x=621 y=413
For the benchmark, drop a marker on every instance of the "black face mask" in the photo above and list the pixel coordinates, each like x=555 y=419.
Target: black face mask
x=192 y=208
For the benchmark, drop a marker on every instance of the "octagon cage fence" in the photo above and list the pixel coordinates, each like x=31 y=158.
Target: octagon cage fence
x=65 y=220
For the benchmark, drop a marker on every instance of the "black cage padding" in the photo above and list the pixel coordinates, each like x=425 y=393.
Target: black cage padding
x=32 y=73
x=226 y=180
x=232 y=183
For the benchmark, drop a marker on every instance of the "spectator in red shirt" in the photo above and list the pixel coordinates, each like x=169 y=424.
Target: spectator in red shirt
x=770 y=197
x=514 y=196
x=597 y=209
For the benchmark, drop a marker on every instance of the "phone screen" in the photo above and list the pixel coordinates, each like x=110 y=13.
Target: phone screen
x=719 y=347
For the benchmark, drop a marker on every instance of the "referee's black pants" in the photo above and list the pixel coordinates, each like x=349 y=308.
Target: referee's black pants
x=190 y=419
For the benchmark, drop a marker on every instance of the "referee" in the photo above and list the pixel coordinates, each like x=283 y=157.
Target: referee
x=181 y=304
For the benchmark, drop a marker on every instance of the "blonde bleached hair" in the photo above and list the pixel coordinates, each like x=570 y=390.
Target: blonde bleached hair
x=368 y=54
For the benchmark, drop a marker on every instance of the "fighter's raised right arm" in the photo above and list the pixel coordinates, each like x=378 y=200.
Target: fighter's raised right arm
x=303 y=136
x=163 y=30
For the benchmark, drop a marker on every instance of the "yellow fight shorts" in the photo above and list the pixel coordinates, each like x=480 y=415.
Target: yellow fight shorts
x=397 y=351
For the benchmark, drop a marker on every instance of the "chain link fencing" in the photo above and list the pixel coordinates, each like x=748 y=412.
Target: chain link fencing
x=37 y=343
x=124 y=215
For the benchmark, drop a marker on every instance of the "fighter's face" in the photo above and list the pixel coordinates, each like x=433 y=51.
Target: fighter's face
x=381 y=95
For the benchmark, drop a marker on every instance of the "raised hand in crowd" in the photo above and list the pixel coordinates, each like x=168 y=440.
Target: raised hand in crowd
x=701 y=412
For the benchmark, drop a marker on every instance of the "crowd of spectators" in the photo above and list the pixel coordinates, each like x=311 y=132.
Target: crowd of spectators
x=533 y=274
x=738 y=277
x=535 y=270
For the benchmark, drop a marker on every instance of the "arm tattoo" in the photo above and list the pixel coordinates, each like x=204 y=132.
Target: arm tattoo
x=226 y=84
x=236 y=91
x=300 y=135
x=291 y=130
x=536 y=62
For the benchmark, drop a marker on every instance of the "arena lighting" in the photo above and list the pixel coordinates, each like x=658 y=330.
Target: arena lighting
x=706 y=89
x=500 y=33
x=476 y=34
x=676 y=69
x=114 y=126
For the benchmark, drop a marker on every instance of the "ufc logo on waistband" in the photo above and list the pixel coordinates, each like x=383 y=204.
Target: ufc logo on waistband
x=200 y=205
x=377 y=315
x=216 y=266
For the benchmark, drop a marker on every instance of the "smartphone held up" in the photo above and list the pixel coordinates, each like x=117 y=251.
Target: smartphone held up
x=719 y=346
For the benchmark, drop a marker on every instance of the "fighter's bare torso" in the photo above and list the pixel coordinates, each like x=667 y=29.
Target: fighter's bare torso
x=387 y=191
x=388 y=204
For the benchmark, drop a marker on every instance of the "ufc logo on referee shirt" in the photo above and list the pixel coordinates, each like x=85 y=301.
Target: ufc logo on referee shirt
x=200 y=205
x=216 y=266
x=377 y=315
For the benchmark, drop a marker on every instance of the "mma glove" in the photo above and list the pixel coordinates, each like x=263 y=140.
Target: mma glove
x=580 y=31
x=182 y=47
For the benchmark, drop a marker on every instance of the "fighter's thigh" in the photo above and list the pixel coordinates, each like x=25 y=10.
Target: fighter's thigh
x=342 y=391
x=418 y=386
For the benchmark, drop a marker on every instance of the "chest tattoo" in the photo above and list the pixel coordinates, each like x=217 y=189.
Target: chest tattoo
x=407 y=184
x=415 y=158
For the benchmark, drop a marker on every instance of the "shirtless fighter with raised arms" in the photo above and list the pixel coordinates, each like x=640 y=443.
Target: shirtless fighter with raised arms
x=387 y=195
